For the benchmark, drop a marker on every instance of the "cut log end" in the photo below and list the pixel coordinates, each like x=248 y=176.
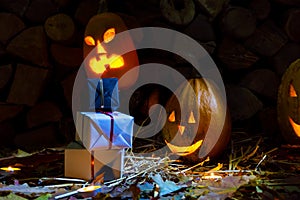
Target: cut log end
x=292 y=25
x=31 y=45
x=178 y=12
x=28 y=85
x=60 y=27
x=238 y=22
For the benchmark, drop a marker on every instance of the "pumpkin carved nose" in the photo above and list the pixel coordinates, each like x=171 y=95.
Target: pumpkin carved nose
x=181 y=129
x=100 y=48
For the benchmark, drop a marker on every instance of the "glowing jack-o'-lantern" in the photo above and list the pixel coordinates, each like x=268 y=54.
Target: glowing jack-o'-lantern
x=101 y=49
x=185 y=133
x=288 y=106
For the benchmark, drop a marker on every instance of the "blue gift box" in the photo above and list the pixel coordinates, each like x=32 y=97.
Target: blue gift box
x=113 y=130
x=104 y=94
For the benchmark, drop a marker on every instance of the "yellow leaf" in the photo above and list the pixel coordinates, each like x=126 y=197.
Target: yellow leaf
x=217 y=168
x=21 y=154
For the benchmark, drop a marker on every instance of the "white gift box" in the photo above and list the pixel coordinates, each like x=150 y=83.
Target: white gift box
x=100 y=131
x=83 y=164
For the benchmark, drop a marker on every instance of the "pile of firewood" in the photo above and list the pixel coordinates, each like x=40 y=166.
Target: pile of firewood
x=251 y=41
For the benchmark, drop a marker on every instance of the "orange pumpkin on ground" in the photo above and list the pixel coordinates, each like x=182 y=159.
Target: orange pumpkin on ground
x=288 y=105
x=204 y=127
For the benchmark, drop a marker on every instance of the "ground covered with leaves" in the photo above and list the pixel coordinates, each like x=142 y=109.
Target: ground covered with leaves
x=252 y=167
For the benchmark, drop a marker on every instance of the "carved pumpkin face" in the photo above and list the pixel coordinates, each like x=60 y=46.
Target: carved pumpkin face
x=288 y=106
x=186 y=133
x=190 y=124
x=101 y=46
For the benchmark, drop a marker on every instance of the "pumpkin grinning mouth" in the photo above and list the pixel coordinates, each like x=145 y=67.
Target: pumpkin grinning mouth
x=184 y=150
x=295 y=126
x=100 y=63
x=102 y=56
x=108 y=58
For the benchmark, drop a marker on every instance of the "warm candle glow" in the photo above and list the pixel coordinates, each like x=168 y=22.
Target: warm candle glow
x=192 y=118
x=295 y=126
x=10 y=169
x=184 y=150
x=99 y=65
x=212 y=177
x=117 y=62
x=89 y=40
x=109 y=35
x=181 y=129
x=172 y=117
x=89 y=188
x=293 y=92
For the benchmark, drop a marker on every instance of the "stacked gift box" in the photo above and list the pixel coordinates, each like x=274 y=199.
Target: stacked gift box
x=105 y=134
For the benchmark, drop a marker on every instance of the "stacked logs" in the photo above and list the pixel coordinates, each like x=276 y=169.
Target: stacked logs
x=251 y=41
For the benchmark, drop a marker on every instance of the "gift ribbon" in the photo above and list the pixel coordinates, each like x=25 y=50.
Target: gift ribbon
x=111 y=134
x=102 y=93
x=93 y=177
x=92 y=165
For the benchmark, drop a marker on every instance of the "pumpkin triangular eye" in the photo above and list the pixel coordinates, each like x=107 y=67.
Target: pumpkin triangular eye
x=172 y=117
x=89 y=40
x=191 y=118
x=293 y=92
x=109 y=35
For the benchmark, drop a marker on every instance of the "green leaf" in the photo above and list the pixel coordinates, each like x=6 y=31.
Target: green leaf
x=21 y=154
x=44 y=197
x=12 y=196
